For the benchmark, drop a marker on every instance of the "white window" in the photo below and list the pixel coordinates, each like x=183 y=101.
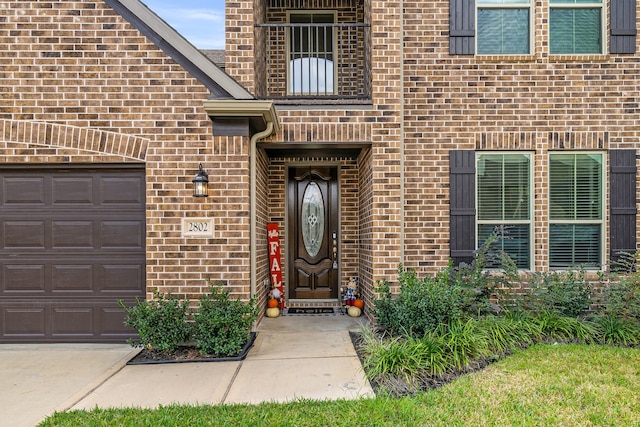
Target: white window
x=504 y=27
x=575 y=26
x=576 y=210
x=504 y=203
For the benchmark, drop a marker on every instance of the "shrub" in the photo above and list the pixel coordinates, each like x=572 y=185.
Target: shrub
x=485 y=281
x=452 y=294
x=421 y=305
x=222 y=325
x=567 y=293
x=160 y=322
x=621 y=298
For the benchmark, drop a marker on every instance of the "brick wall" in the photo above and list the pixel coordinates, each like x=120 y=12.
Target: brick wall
x=107 y=94
x=239 y=41
x=366 y=250
x=81 y=85
x=535 y=103
x=263 y=217
x=427 y=102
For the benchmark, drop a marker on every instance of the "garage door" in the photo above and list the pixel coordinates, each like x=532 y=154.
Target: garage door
x=72 y=243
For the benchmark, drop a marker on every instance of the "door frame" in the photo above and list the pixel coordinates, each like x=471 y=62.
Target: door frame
x=288 y=248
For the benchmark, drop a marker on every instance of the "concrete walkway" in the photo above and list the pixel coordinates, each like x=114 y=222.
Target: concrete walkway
x=293 y=357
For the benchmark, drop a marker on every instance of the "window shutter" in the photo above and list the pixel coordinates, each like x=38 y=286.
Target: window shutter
x=462 y=27
x=462 y=218
x=623 y=26
x=623 y=202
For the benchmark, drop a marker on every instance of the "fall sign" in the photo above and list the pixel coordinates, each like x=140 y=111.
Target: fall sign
x=275 y=269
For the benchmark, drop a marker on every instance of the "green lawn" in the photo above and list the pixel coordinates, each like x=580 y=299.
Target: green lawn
x=567 y=385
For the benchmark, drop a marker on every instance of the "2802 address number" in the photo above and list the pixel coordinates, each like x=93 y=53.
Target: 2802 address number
x=197 y=227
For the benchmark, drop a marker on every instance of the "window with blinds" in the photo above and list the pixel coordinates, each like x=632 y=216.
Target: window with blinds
x=575 y=26
x=504 y=203
x=576 y=206
x=504 y=27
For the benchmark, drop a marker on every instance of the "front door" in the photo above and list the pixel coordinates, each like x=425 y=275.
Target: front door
x=313 y=227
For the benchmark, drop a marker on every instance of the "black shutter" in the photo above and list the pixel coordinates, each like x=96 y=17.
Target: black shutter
x=623 y=26
x=622 y=165
x=462 y=217
x=462 y=27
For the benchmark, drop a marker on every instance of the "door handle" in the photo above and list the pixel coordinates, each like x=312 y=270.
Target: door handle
x=334 y=235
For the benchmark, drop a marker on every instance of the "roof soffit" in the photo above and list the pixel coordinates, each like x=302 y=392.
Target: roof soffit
x=259 y=112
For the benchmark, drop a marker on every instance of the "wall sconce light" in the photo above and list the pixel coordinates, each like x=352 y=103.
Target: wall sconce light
x=201 y=183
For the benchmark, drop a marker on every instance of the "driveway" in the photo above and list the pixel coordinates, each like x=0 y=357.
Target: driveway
x=39 y=379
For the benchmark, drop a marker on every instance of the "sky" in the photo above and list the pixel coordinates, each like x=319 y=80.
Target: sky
x=199 y=21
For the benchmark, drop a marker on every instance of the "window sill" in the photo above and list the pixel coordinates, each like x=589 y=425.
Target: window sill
x=593 y=57
x=323 y=104
x=510 y=58
x=578 y=58
x=321 y=101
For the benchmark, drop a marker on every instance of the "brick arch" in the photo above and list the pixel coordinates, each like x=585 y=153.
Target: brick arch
x=60 y=143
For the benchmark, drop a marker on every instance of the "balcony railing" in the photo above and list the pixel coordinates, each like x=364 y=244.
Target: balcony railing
x=313 y=61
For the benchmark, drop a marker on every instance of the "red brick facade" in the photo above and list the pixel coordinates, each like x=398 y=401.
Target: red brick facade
x=82 y=85
x=426 y=102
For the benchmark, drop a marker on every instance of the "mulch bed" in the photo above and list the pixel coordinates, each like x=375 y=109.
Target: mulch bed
x=187 y=354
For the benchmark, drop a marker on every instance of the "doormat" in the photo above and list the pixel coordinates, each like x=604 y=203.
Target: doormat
x=311 y=310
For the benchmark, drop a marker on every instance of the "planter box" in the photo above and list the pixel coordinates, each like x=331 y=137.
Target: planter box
x=190 y=354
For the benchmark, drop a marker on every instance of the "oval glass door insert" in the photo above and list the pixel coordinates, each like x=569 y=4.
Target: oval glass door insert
x=312 y=219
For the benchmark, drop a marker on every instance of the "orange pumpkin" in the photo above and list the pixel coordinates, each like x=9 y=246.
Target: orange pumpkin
x=272 y=303
x=358 y=303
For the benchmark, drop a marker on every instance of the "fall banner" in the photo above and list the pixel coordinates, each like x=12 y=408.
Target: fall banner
x=273 y=238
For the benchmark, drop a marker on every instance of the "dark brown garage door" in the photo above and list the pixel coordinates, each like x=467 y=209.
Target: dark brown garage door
x=72 y=243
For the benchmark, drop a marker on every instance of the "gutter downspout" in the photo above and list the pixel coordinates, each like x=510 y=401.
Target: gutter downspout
x=258 y=109
x=402 y=137
x=253 y=226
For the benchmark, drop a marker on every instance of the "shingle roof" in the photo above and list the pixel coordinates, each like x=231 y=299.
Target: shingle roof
x=216 y=56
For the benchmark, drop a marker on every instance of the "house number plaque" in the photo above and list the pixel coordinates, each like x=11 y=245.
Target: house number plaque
x=197 y=227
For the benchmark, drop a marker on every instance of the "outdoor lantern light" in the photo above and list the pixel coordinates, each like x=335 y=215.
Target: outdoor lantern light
x=200 y=183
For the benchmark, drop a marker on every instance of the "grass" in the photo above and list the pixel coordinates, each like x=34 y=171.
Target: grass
x=544 y=385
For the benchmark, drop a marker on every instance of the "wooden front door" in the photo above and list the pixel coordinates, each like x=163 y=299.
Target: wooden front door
x=313 y=232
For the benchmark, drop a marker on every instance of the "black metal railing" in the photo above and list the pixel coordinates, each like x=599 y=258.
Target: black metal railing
x=313 y=61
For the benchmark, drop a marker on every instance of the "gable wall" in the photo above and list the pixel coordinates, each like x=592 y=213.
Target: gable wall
x=103 y=93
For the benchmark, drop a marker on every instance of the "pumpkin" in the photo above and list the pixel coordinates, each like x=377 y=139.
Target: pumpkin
x=273 y=312
x=354 y=311
x=358 y=303
x=272 y=303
